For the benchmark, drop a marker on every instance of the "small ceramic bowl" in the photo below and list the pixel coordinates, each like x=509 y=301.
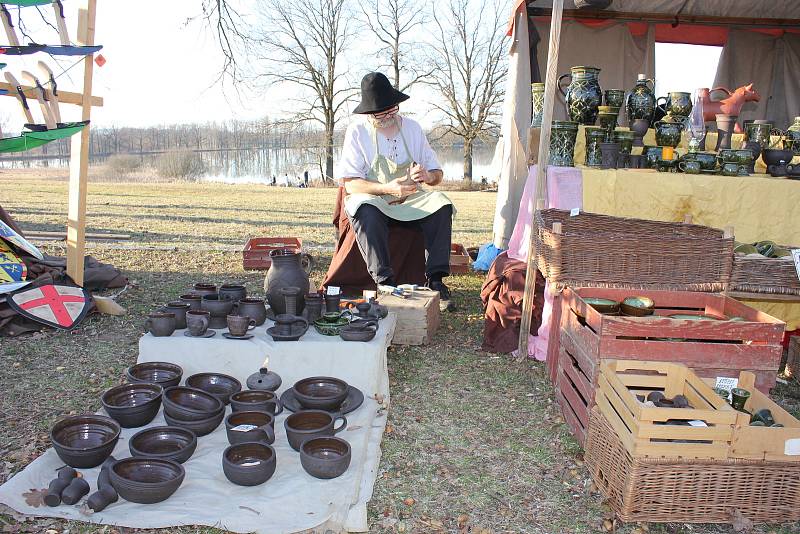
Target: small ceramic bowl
x=200 y=427
x=146 y=480
x=132 y=405
x=190 y=404
x=164 y=374
x=325 y=458
x=358 y=332
x=602 y=305
x=258 y=400
x=84 y=441
x=250 y=426
x=637 y=306
x=164 y=442
x=321 y=392
x=249 y=463
x=219 y=385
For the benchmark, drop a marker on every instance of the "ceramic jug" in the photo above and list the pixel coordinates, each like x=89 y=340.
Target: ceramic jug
x=285 y=271
x=668 y=131
x=641 y=101
x=537 y=101
x=793 y=137
x=583 y=95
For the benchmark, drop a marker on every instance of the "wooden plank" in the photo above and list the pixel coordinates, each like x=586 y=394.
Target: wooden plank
x=64 y=97
x=63 y=235
x=550 y=82
x=624 y=434
x=710 y=433
x=554 y=339
x=763 y=296
x=586 y=363
x=681 y=450
x=576 y=428
x=583 y=386
x=79 y=156
x=577 y=404
x=793 y=357
x=665 y=327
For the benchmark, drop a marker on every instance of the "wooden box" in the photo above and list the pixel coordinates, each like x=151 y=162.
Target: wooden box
x=418 y=316
x=459 y=259
x=255 y=256
x=643 y=430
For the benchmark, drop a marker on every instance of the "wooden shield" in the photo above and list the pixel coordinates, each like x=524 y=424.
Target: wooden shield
x=56 y=305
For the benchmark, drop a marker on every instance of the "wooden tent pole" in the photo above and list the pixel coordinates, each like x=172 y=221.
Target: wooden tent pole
x=79 y=152
x=551 y=80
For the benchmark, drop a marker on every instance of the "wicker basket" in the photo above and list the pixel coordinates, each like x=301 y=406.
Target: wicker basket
x=681 y=490
x=757 y=274
x=604 y=251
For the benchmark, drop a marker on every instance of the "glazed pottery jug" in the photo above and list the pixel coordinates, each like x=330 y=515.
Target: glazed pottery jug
x=179 y=309
x=641 y=102
x=639 y=128
x=614 y=97
x=679 y=103
x=594 y=136
x=239 y=325
x=160 y=324
x=793 y=137
x=583 y=95
x=725 y=125
x=264 y=380
x=537 y=101
x=668 y=131
x=197 y=322
x=285 y=271
x=562 y=143
x=253 y=308
x=233 y=292
x=609 y=153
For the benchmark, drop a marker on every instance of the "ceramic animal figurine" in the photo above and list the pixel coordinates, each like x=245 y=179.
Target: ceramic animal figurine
x=731 y=105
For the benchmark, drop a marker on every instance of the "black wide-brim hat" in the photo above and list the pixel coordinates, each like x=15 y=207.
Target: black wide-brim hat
x=377 y=94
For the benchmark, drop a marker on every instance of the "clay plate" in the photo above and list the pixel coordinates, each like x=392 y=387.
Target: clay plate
x=354 y=399
x=209 y=333
x=228 y=335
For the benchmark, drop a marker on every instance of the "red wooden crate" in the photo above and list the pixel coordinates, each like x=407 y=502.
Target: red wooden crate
x=459 y=259
x=255 y=256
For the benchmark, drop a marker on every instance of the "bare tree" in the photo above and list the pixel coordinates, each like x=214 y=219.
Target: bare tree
x=230 y=31
x=300 y=43
x=392 y=22
x=470 y=66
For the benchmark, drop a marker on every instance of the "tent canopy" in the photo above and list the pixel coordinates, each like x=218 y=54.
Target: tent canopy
x=752 y=10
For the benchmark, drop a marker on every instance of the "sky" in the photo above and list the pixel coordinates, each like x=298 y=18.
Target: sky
x=162 y=68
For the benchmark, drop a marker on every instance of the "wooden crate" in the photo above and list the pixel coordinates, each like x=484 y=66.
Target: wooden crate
x=575 y=387
x=418 y=316
x=255 y=256
x=459 y=259
x=711 y=348
x=793 y=358
x=763 y=443
x=642 y=429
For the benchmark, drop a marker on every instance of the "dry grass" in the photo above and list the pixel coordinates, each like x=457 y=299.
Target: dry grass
x=474 y=442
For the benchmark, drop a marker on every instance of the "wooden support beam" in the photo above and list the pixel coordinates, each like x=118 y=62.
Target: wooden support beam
x=64 y=97
x=79 y=153
x=550 y=83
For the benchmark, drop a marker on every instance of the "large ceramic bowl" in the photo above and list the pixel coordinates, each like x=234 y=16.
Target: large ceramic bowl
x=637 y=306
x=164 y=374
x=219 y=385
x=164 y=442
x=326 y=457
x=602 y=305
x=328 y=327
x=132 y=405
x=190 y=404
x=256 y=400
x=249 y=463
x=146 y=480
x=84 y=441
x=321 y=392
x=200 y=427
x=773 y=156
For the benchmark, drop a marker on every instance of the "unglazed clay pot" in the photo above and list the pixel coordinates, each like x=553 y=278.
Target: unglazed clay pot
x=179 y=308
x=249 y=463
x=235 y=292
x=325 y=457
x=285 y=271
x=254 y=308
x=160 y=324
x=219 y=310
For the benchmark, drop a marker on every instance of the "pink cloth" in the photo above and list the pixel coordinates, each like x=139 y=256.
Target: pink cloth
x=565 y=192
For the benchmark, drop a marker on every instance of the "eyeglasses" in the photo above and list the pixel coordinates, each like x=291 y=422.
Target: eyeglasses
x=386 y=113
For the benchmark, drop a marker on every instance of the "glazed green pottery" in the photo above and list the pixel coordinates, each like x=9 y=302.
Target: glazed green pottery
x=680 y=104
x=759 y=132
x=744 y=157
x=537 y=101
x=728 y=155
x=793 y=137
x=668 y=131
x=707 y=160
x=583 y=95
x=652 y=156
x=602 y=305
x=608 y=122
x=745 y=248
x=641 y=103
x=614 y=97
x=625 y=140
x=730 y=169
x=330 y=327
x=689 y=166
x=562 y=143
x=594 y=136
x=739 y=398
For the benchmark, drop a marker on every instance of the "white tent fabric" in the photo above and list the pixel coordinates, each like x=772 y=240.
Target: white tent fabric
x=514 y=132
x=765 y=9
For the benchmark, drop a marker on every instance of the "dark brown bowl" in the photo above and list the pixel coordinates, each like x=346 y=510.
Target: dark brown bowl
x=256 y=399
x=219 y=385
x=164 y=374
x=262 y=423
x=249 y=464
x=321 y=392
x=164 y=442
x=200 y=427
x=132 y=405
x=84 y=441
x=190 y=404
x=325 y=457
x=146 y=480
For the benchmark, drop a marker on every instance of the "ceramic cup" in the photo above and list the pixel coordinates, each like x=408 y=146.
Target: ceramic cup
x=730 y=169
x=194 y=301
x=689 y=167
x=160 y=324
x=332 y=303
x=307 y=424
x=238 y=325
x=197 y=322
x=179 y=308
x=739 y=397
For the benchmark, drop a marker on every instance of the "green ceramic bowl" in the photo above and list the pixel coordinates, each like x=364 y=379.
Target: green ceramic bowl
x=637 y=306
x=745 y=248
x=602 y=305
x=330 y=328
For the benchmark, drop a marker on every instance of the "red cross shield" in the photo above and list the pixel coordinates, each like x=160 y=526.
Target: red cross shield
x=59 y=306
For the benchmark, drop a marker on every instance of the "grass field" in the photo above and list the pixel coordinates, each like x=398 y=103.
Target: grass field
x=474 y=442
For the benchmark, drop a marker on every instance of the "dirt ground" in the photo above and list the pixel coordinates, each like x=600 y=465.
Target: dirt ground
x=474 y=442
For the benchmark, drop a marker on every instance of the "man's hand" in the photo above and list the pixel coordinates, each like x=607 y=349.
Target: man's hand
x=401 y=187
x=419 y=174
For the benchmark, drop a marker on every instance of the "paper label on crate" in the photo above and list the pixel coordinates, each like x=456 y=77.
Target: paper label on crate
x=726 y=383
x=792 y=447
x=574 y=211
x=697 y=423
x=333 y=290
x=796 y=258
x=243 y=428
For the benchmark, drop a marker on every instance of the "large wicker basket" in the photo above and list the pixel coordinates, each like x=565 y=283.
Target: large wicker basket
x=757 y=274
x=680 y=490
x=600 y=250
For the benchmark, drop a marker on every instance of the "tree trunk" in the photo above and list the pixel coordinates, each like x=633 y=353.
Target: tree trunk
x=329 y=151
x=468 y=161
